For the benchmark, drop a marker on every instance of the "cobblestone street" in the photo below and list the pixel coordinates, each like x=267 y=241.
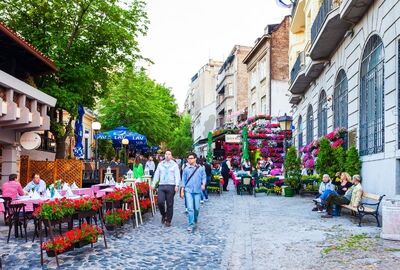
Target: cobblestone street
x=234 y=232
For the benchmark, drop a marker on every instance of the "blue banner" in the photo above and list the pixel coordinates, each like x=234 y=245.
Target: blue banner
x=78 y=150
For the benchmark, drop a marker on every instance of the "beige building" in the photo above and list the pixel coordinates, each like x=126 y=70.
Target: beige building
x=200 y=102
x=268 y=69
x=344 y=62
x=232 y=88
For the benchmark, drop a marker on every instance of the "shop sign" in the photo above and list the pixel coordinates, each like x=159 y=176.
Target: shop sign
x=30 y=140
x=233 y=138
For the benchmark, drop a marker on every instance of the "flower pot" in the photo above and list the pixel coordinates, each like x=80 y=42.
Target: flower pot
x=84 y=214
x=289 y=192
x=112 y=227
x=52 y=253
x=82 y=243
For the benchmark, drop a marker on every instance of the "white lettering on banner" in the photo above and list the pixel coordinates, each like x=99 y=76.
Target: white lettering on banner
x=233 y=138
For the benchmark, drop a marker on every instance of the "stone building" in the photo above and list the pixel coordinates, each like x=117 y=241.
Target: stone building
x=344 y=62
x=23 y=108
x=232 y=87
x=268 y=69
x=200 y=103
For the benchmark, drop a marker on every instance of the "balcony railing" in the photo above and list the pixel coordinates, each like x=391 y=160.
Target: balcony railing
x=296 y=67
x=326 y=7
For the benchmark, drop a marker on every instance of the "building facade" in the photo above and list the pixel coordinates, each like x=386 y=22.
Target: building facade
x=232 y=87
x=344 y=61
x=200 y=103
x=23 y=107
x=268 y=71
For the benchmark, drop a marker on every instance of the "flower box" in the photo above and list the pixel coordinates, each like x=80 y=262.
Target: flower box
x=82 y=243
x=84 y=214
x=112 y=227
x=52 y=253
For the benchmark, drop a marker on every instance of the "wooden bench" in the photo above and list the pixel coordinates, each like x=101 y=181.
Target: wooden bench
x=366 y=208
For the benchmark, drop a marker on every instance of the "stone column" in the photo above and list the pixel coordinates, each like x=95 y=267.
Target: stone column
x=9 y=162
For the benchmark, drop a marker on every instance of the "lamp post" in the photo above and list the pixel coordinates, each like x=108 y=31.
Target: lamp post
x=285 y=123
x=96 y=126
x=125 y=143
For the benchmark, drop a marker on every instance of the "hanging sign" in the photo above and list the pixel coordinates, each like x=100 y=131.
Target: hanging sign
x=30 y=140
x=233 y=138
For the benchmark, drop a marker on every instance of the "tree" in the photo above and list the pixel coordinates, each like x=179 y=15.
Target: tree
x=87 y=39
x=182 y=143
x=140 y=104
x=326 y=162
x=106 y=149
x=339 y=155
x=353 y=163
x=292 y=167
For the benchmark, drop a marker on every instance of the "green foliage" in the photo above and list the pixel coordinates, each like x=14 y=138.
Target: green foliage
x=88 y=41
x=352 y=243
x=353 y=163
x=326 y=163
x=182 y=142
x=313 y=177
x=140 y=104
x=339 y=155
x=292 y=168
x=106 y=150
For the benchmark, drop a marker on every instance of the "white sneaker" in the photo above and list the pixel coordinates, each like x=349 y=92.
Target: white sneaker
x=190 y=229
x=206 y=200
x=317 y=200
x=201 y=201
x=319 y=211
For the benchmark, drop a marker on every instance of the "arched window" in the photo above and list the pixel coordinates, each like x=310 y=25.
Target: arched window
x=322 y=114
x=310 y=124
x=372 y=98
x=340 y=101
x=300 y=132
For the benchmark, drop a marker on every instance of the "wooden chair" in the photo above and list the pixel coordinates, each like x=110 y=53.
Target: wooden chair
x=6 y=203
x=17 y=218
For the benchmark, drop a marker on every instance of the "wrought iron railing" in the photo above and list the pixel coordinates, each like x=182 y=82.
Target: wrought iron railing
x=296 y=67
x=325 y=8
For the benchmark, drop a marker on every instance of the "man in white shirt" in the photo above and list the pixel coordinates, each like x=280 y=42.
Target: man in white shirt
x=168 y=176
x=36 y=184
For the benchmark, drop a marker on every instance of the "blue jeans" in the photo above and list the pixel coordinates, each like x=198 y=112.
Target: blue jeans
x=204 y=194
x=326 y=194
x=193 y=206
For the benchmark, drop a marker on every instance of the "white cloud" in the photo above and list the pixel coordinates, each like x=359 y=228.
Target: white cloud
x=184 y=34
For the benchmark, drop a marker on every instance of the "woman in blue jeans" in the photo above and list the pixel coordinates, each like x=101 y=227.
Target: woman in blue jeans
x=345 y=184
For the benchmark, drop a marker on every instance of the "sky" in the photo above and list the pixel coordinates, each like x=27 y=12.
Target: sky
x=184 y=34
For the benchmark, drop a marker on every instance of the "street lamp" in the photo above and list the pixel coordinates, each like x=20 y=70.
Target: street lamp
x=125 y=143
x=285 y=123
x=96 y=126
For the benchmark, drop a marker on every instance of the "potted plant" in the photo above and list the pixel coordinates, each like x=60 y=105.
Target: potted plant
x=113 y=219
x=85 y=207
x=58 y=245
x=292 y=172
x=145 y=204
x=55 y=211
x=87 y=234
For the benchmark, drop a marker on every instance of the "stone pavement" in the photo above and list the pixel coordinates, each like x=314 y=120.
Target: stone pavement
x=234 y=232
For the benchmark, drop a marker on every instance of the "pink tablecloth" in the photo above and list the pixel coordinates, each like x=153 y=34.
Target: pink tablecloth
x=80 y=192
x=102 y=192
x=98 y=187
x=1 y=207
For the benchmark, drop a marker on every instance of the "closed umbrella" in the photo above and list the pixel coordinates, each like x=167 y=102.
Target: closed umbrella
x=209 y=150
x=245 y=144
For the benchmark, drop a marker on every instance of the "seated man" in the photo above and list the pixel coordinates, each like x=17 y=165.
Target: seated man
x=36 y=184
x=12 y=188
x=352 y=196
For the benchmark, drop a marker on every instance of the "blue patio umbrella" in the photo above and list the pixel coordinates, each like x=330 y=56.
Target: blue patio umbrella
x=120 y=133
x=78 y=149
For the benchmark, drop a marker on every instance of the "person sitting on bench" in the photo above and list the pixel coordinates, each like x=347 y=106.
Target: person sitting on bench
x=352 y=196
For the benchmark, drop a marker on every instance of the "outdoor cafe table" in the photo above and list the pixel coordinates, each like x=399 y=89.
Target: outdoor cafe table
x=98 y=187
x=80 y=191
x=102 y=192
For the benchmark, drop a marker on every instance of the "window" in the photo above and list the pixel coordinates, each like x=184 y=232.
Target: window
x=229 y=90
x=263 y=69
x=398 y=93
x=253 y=109
x=322 y=114
x=310 y=124
x=340 y=101
x=264 y=105
x=372 y=98
x=253 y=81
x=300 y=132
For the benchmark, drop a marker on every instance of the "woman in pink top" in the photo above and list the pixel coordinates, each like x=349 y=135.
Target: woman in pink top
x=12 y=188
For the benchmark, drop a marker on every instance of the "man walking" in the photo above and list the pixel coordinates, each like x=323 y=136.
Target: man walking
x=225 y=169
x=168 y=176
x=192 y=184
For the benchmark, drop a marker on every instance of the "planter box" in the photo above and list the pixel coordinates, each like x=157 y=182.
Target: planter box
x=289 y=192
x=82 y=243
x=112 y=227
x=52 y=253
x=84 y=214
